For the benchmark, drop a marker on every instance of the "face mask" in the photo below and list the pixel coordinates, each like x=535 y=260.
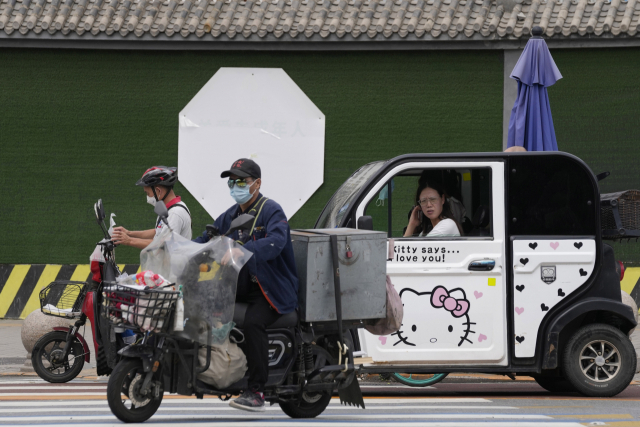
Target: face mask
x=151 y=200
x=241 y=195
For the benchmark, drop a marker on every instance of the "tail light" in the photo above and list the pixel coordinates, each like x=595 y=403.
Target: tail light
x=620 y=269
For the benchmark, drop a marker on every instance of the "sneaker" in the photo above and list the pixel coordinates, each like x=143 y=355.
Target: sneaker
x=249 y=401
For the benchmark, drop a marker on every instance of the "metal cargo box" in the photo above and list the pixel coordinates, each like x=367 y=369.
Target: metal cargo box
x=362 y=276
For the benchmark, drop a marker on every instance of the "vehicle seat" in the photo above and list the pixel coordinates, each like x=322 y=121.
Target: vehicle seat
x=288 y=320
x=480 y=221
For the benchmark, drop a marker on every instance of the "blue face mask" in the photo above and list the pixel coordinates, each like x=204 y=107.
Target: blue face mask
x=241 y=195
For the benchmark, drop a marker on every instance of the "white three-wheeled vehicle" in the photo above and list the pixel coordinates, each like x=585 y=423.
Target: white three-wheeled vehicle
x=529 y=288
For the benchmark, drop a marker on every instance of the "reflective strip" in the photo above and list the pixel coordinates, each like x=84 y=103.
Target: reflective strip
x=12 y=286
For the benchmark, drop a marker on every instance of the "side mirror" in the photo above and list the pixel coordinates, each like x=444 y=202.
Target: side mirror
x=99 y=210
x=243 y=222
x=365 y=223
x=161 y=210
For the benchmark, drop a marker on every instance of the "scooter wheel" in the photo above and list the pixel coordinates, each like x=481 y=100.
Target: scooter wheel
x=599 y=360
x=418 y=380
x=123 y=393
x=47 y=362
x=310 y=405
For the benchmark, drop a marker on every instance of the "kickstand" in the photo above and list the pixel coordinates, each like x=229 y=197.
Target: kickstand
x=352 y=394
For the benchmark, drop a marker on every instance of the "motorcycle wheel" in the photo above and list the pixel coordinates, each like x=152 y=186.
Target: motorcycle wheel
x=310 y=405
x=123 y=393
x=554 y=384
x=418 y=380
x=44 y=358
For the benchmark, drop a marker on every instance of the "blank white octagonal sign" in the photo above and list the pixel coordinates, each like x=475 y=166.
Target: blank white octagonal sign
x=256 y=113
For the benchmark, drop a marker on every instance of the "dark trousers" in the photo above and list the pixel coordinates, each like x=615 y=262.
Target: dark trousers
x=259 y=316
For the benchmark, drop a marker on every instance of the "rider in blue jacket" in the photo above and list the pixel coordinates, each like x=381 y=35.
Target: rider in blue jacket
x=268 y=283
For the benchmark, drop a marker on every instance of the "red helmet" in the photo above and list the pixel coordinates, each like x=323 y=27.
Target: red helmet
x=159 y=176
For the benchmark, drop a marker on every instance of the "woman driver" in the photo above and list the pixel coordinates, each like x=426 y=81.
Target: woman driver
x=432 y=216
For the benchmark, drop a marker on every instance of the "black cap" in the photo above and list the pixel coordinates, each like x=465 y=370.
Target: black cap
x=243 y=168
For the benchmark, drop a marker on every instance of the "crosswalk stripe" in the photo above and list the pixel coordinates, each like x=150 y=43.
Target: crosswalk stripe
x=163 y=407
x=320 y=423
x=173 y=397
x=274 y=416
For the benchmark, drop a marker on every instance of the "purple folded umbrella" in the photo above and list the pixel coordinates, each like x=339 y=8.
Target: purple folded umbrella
x=531 y=125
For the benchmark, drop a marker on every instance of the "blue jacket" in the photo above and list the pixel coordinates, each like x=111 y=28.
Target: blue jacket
x=272 y=262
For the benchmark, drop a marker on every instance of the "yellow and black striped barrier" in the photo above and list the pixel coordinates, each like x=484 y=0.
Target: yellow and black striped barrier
x=20 y=284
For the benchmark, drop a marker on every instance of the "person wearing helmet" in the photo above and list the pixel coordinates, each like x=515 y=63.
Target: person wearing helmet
x=157 y=182
x=268 y=283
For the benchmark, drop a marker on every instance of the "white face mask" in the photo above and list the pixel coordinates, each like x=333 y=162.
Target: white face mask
x=151 y=201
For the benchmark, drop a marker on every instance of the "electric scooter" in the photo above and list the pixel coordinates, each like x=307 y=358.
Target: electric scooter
x=59 y=355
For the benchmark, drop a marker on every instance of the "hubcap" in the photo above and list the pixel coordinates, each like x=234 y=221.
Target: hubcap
x=600 y=361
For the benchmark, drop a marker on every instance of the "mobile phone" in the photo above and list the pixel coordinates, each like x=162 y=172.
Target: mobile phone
x=421 y=214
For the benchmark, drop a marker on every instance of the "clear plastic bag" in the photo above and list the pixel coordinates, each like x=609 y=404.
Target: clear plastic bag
x=209 y=288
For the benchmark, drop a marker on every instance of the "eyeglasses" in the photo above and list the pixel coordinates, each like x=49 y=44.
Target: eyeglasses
x=241 y=182
x=430 y=201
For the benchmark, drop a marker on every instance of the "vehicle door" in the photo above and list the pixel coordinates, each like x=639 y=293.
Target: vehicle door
x=453 y=289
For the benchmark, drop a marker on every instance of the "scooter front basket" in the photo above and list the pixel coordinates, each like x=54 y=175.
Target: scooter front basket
x=139 y=308
x=63 y=298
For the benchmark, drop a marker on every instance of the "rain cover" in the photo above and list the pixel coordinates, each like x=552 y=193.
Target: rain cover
x=209 y=288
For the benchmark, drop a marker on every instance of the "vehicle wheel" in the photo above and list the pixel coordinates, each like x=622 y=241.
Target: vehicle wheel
x=554 y=384
x=102 y=366
x=47 y=362
x=310 y=405
x=599 y=360
x=123 y=393
x=418 y=380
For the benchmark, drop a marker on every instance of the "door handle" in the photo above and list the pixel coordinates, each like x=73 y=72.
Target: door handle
x=482 y=265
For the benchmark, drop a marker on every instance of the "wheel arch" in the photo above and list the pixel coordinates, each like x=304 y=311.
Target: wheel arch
x=587 y=311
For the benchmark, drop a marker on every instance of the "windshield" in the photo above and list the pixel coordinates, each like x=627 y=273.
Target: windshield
x=339 y=204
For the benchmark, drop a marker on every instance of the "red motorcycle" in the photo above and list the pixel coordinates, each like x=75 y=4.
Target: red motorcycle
x=59 y=356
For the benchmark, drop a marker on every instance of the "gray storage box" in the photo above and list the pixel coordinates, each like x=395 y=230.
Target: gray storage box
x=362 y=277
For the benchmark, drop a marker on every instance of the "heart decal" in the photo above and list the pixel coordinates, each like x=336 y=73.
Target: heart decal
x=520 y=339
x=519 y=310
x=533 y=245
x=482 y=337
x=560 y=293
x=477 y=294
x=544 y=307
x=554 y=245
x=520 y=288
x=383 y=340
x=578 y=245
x=582 y=272
x=524 y=261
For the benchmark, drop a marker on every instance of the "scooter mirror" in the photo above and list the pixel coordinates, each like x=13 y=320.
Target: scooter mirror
x=161 y=210
x=244 y=221
x=99 y=209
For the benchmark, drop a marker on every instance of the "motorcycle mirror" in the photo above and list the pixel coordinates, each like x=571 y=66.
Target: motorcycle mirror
x=99 y=209
x=161 y=210
x=243 y=222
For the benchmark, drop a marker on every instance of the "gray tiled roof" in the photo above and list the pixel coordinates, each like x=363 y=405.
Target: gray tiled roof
x=302 y=20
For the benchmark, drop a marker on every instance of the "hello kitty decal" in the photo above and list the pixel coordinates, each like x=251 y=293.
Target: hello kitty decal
x=446 y=323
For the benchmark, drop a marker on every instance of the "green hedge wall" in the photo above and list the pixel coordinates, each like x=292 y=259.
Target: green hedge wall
x=596 y=115
x=78 y=125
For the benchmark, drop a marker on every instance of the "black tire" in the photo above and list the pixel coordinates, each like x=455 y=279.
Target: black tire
x=310 y=405
x=102 y=367
x=554 y=384
x=120 y=383
x=43 y=358
x=616 y=362
x=420 y=381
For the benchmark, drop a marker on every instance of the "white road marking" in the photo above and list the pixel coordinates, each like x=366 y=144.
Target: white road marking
x=267 y=416
x=164 y=407
x=52 y=387
x=316 y=423
x=215 y=400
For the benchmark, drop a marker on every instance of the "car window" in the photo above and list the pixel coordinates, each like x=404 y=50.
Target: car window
x=468 y=195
